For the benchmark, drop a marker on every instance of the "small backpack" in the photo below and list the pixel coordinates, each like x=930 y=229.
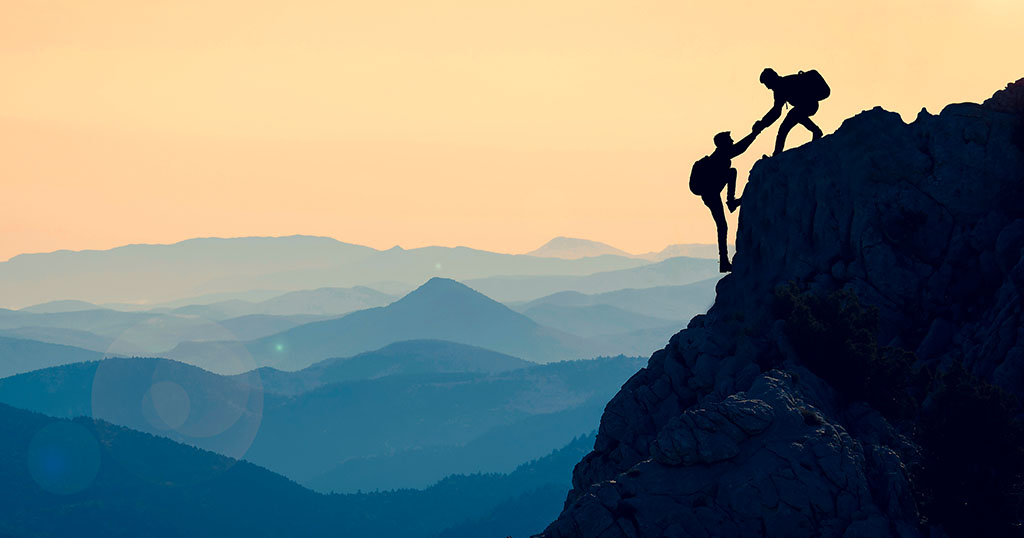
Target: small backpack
x=810 y=86
x=705 y=176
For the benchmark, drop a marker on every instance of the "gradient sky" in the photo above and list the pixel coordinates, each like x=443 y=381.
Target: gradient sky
x=491 y=124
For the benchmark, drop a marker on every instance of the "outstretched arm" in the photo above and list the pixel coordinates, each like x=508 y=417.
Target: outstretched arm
x=743 y=144
x=771 y=116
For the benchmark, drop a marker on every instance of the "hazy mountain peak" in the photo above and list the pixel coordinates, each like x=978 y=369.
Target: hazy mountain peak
x=572 y=248
x=440 y=294
x=443 y=287
x=65 y=305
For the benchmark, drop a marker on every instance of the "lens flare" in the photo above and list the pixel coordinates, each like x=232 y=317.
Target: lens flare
x=63 y=457
x=192 y=399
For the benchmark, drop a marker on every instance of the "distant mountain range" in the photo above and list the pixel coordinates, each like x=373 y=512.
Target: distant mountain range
x=571 y=248
x=441 y=309
x=318 y=302
x=567 y=324
x=411 y=397
x=678 y=303
x=18 y=355
x=670 y=272
x=313 y=358
x=91 y=478
x=152 y=274
x=409 y=357
x=136 y=333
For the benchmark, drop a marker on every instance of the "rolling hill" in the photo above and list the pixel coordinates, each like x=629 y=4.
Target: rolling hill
x=91 y=478
x=317 y=423
x=677 y=303
x=671 y=272
x=18 y=355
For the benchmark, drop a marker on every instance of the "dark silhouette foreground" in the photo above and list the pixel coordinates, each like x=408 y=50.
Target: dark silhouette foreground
x=803 y=91
x=713 y=173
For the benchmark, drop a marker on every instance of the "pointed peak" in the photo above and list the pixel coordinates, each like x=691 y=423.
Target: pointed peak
x=443 y=289
x=442 y=283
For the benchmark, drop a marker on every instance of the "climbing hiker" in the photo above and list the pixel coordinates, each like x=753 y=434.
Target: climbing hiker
x=710 y=175
x=803 y=91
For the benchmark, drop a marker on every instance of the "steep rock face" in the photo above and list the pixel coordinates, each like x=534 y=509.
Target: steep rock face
x=923 y=221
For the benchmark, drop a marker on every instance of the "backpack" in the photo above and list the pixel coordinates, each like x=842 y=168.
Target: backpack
x=809 y=86
x=706 y=176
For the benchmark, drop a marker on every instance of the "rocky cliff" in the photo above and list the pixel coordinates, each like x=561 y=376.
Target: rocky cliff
x=732 y=431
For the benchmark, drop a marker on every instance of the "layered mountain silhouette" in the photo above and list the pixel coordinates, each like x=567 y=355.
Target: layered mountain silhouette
x=671 y=272
x=318 y=302
x=129 y=273
x=408 y=357
x=574 y=248
x=85 y=477
x=665 y=302
x=125 y=333
x=405 y=397
x=499 y=450
x=854 y=376
x=619 y=322
x=19 y=355
x=593 y=320
x=688 y=250
x=378 y=417
x=62 y=336
x=232 y=268
x=441 y=309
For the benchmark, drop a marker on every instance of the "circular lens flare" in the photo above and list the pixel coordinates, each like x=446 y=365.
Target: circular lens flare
x=63 y=457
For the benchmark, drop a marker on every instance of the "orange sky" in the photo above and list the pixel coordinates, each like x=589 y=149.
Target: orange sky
x=491 y=124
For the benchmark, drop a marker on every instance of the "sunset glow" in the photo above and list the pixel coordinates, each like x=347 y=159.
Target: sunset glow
x=495 y=125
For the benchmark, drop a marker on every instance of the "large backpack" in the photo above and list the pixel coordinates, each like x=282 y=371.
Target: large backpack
x=706 y=176
x=809 y=86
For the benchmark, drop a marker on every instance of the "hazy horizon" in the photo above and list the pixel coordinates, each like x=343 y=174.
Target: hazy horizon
x=455 y=123
x=396 y=245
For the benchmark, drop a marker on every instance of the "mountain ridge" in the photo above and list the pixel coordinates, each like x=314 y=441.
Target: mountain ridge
x=792 y=408
x=441 y=308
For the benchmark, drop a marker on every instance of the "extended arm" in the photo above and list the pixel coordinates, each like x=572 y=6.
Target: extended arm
x=771 y=116
x=743 y=144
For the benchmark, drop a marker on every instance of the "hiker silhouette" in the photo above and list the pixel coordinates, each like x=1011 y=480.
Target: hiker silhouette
x=710 y=175
x=803 y=91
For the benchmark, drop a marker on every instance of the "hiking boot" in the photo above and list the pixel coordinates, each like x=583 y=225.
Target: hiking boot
x=724 y=266
x=733 y=204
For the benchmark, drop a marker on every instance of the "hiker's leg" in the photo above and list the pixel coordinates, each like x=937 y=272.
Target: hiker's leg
x=790 y=120
x=730 y=185
x=805 y=119
x=714 y=203
x=731 y=201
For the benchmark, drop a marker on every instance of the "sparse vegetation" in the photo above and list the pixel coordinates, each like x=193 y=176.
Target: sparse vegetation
x=834 y=337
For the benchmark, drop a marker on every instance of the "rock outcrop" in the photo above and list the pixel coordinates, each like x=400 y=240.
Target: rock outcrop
x=924 y=221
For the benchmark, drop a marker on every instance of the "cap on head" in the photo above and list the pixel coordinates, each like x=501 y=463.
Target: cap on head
x=768 y=76
x=723 y=139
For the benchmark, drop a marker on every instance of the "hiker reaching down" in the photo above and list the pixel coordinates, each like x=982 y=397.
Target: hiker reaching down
x=803 y=91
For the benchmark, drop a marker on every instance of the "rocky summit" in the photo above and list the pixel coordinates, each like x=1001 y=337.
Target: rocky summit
x=741 y=425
